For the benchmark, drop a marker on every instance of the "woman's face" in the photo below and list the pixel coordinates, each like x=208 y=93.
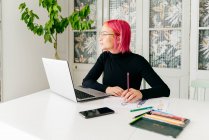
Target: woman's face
x=106 y=39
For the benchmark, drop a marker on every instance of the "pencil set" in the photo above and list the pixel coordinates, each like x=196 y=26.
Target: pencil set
x=166 y=118
x=161 y=122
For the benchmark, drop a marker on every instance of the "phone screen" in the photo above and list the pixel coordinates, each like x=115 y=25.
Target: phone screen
x=96 y=112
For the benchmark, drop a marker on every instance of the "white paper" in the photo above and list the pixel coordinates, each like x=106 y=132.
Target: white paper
x=118 y=102
x=157 y=103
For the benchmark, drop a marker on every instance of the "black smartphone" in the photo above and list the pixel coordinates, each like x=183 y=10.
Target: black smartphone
x=96 y=112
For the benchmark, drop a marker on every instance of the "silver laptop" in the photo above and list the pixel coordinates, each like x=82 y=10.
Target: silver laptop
x=60 y=82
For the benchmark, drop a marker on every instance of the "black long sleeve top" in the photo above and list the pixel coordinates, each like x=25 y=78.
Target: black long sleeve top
x=115 y=68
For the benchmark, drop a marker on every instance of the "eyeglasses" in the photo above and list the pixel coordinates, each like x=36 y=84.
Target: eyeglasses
x=102 y=34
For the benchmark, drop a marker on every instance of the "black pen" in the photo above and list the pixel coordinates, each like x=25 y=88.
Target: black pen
x=141 y=114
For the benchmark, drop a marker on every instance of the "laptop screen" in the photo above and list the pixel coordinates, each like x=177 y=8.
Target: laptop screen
x=59 y=78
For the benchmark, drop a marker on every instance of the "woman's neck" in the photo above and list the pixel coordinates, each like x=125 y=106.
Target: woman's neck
x=114 y=51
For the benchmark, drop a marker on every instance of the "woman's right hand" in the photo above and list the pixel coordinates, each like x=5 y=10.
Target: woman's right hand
x=116 y=91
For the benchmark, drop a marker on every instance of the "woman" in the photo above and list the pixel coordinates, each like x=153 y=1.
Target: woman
x=123 y=70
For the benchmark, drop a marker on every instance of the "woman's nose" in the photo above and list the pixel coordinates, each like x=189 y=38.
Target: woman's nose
x=100 y=38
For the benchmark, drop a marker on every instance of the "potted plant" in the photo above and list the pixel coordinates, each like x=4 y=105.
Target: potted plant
x=56 y=23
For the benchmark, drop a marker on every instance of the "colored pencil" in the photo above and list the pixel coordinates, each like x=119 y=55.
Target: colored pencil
x=138 y=109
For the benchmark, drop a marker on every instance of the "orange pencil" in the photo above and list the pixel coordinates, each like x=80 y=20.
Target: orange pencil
x=164 y=119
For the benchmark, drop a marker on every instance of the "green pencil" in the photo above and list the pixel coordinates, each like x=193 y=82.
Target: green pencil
x=138 y=109
x=135 y=120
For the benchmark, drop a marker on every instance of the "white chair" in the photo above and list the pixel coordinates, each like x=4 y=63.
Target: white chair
x=199 y=84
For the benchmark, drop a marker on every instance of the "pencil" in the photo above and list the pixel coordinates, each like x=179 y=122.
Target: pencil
x=138 y=109
x=141 y=114
x=128 y=81
x=164 y=119
x=137 y=118
x=167 y=115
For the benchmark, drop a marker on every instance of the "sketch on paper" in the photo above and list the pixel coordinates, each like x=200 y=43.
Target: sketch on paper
x=85 y=47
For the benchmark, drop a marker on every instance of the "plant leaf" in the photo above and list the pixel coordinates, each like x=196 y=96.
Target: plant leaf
x=22 y=6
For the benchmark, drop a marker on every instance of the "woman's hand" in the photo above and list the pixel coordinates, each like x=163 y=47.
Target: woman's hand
x=131 y=95
x=116 y=91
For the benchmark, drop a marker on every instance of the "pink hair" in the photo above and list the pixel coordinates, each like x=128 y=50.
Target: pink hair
x=122 y=32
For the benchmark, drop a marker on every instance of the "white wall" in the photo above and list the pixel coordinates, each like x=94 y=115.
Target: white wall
x=23 y=71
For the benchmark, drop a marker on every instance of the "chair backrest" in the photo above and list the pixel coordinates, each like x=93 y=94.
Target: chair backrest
x=199 y=84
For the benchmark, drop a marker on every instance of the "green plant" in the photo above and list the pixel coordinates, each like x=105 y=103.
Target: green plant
x=56 y=23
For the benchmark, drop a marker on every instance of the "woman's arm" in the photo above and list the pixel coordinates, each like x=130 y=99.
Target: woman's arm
x=158 y=87
x=90 y=81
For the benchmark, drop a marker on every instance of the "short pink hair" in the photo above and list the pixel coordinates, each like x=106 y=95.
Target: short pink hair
x=122 y=31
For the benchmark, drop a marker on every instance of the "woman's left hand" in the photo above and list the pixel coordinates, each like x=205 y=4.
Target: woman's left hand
x=131 y=95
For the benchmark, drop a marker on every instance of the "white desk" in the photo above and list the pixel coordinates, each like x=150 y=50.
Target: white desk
x=45 y=115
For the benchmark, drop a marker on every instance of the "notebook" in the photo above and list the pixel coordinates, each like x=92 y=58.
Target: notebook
x=60 y=82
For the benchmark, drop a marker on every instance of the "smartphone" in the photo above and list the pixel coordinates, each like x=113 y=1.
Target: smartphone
x=96 y=112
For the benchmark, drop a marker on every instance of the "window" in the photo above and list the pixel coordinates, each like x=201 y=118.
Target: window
x=85 y=42
x=126 y=10
x=203 y=52
x=165 y=33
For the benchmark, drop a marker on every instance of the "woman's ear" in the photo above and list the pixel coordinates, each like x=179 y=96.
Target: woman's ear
x=118 y=39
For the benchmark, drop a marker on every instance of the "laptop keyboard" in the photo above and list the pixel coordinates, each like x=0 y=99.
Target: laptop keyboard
x=82 y=95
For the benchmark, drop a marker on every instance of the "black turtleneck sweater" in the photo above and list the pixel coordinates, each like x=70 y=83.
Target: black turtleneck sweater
x=115 y=68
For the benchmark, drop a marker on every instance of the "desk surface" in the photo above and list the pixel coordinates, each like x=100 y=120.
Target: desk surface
x=45 y=115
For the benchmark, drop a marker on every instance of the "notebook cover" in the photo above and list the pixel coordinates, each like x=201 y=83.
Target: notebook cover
x=158 y=127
